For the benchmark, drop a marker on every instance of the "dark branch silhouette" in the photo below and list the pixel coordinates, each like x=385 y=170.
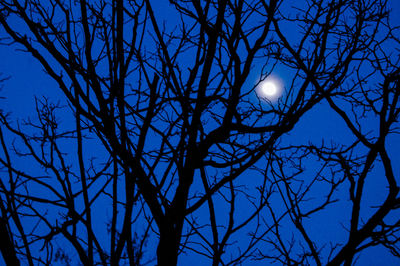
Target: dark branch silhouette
x=158 y=137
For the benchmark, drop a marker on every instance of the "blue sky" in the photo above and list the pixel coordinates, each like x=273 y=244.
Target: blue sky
x=27 y=79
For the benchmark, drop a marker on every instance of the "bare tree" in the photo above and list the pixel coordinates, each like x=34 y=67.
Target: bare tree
x=159 y=136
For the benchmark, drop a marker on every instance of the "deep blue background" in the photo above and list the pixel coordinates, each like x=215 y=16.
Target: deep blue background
x=27 y=80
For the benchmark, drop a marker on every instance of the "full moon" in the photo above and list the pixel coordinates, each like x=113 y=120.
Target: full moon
x=269 y=89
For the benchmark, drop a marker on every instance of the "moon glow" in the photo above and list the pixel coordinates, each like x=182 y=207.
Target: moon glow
x=269 y=89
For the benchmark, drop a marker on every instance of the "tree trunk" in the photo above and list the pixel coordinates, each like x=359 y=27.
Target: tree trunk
x=6 y=245
x=168 y=247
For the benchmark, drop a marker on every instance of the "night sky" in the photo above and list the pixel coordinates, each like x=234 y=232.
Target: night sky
x=26 y=79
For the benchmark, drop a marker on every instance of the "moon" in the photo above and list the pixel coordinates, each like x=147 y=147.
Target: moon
x=269 y=89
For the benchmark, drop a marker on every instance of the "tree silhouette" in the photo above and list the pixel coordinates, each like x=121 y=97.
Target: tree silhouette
x=158 y=137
